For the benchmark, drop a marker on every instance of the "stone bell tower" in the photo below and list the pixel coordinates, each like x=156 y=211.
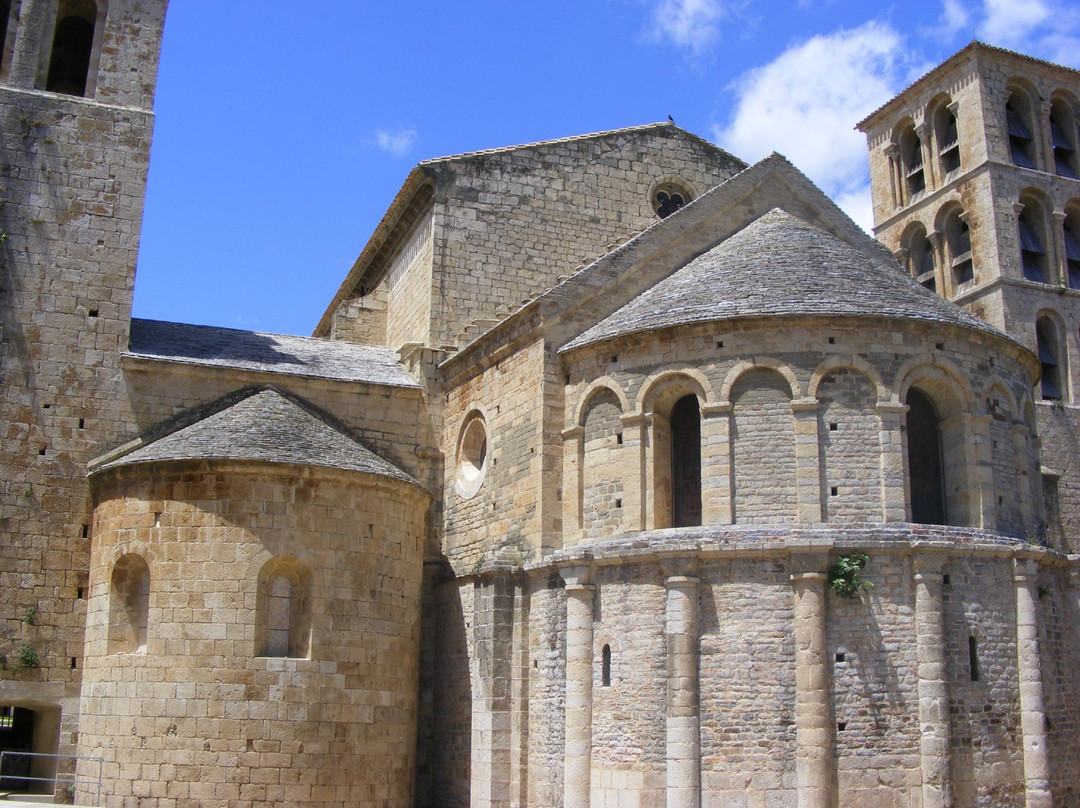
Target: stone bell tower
x=975 y=177
x=77 y=81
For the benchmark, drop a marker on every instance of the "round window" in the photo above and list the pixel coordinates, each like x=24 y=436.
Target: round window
x=472 y=456
x=668 y=198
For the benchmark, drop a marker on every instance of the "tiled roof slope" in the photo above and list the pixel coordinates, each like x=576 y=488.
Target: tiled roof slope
x=266 y=427
x=779 y=265
x=266 y=353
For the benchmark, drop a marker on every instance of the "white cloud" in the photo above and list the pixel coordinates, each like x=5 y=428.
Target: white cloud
x=692 y=24
x=396 y=142
x=954 y=19
x=1012 y=22
x=804 y=104
x=1047 y=29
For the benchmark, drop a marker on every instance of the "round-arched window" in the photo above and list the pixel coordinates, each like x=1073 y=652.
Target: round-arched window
x=472 y=456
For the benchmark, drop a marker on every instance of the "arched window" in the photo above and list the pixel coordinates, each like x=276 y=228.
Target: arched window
x=284 y=620
x=72 y=47
x=686 y=462
x=921 y=259
x=1063 y=139
x=1031 y=227
x=1018 y=122
x=129 y=605
x=1071 y=228
x=925 y=468
x=5 y=13
x=912 y=162
x=947 y=138
x=1050 y=385
x=958 y=241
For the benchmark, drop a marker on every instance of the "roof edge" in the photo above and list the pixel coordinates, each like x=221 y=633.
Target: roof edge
x=973 y=48
x=404 y=211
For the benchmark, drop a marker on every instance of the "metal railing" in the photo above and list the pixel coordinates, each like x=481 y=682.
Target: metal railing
x=70 y=782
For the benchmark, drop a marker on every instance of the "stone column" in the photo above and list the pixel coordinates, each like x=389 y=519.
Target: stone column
x=813 y=716
x=573 y=484
x=493 y=610
x=717 y=507
x=1056 y=247
x=935 y=740
x=577 y=749
x=896 y=179
x=681 y=628
x=891 y=415
x=1029 y=670
x=928 y=162
x=632 y=459
x=807 y=460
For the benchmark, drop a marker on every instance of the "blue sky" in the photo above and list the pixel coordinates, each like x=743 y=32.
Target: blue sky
x=282 y=137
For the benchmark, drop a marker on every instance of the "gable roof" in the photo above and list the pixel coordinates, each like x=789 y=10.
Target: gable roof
x=418 y=192
x=266 y=426
x=210 y=346
x=778 y=265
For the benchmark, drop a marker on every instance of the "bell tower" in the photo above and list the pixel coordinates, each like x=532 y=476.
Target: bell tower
x=975 y=181
x=77 y=81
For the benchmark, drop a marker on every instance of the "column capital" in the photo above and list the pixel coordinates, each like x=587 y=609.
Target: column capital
x=577 y=576
x=929 y=565
x=679 y=567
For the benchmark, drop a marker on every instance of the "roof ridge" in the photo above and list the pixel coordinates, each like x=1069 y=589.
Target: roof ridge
x=551 y=142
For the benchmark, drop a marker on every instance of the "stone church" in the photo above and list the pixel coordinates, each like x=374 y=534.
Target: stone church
x=618 y=473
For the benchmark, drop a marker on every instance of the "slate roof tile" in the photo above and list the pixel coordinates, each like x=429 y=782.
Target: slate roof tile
x=264 y=426
x=779 y=265
x=266 y=353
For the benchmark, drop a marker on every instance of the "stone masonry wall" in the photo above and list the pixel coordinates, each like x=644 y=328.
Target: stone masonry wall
x=72 y=181
x=748 y=478
x=984 y=703
x=199 y=715
x=506 y=510
x=514 y=220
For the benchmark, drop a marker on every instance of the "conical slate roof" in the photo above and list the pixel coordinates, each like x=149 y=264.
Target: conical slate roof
x=267 y=427
x=779 y=266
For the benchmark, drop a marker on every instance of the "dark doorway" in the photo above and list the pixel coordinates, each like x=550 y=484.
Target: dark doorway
x=686 y=463
x=925 y=471
x=16 y=738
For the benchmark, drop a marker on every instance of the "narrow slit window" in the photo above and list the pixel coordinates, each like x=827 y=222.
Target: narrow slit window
x=278 y=614
x=605 y=667
x=973 y=659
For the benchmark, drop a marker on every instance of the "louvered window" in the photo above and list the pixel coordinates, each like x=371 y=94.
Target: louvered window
x=1072 y=256
x=1032 y=252
x=1020 y=140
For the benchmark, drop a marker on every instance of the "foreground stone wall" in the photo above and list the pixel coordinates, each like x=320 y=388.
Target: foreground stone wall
x=200 y=713
x=734 y=598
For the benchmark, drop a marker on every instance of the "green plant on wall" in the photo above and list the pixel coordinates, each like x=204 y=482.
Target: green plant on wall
x=31 y=613
x=28 y=658
x=844 y=580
